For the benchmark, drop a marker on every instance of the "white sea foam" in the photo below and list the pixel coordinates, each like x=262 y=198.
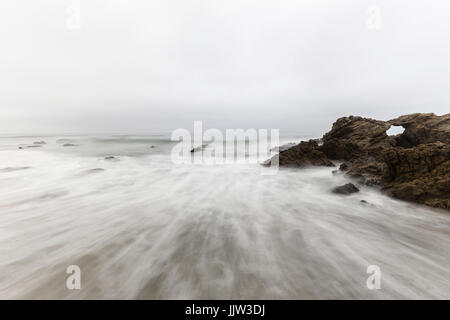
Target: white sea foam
x=146 y=228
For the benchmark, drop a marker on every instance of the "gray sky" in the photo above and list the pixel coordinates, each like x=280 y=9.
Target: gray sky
x=142 y=66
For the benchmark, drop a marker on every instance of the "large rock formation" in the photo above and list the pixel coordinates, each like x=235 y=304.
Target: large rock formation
x=412 y=166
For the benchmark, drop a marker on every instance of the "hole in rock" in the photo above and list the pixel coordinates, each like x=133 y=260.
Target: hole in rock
x=395 y=130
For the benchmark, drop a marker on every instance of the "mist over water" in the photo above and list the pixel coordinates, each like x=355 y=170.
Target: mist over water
x=143 y=227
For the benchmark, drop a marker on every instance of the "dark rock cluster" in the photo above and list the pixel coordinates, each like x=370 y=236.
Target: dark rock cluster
x=413 y=166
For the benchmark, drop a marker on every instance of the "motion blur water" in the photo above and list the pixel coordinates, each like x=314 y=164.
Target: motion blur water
x=142 y=227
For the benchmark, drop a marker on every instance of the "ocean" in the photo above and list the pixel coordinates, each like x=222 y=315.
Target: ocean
x=140 y=226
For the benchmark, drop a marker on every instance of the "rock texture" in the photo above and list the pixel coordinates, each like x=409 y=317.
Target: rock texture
x=346 y=189
x=306 y=153
x=414 y=165
x=420 y=174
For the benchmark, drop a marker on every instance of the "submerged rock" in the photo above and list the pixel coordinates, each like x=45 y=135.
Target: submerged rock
x=39 y=142
x=346 y=189
x=69 y=145
x=199 y=148
x=111 y=158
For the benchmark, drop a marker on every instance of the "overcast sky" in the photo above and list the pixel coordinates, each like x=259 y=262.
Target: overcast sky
x=142 y=66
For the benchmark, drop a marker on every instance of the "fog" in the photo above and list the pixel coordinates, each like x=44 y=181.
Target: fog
x=137 y=67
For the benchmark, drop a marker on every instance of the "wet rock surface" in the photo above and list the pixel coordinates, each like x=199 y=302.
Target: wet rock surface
x=413 y=165
x=284 y=147
x=346 y=189
x=306 y=153
x=420 y=174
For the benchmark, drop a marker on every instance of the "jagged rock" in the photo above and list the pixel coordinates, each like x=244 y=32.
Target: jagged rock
x=352 y=137
x=420 y=174
x=367 y=170
x=306 y=153
x=413 y=165
x=421 y=128
x=346 y=189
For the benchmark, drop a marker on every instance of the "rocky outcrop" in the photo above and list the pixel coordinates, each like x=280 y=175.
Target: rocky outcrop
x=283 y=147
x=411 y=166
x=306 y=153
x=422 y=128
x=355 y=137
x=420 y=174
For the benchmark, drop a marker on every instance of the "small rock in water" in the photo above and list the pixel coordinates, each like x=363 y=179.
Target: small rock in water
x=40 y=142
x=199 y=148
x=111 y=158
x=151 y=147
x=348 y=188
x=69 y=145
x=335 y=172
x=365 y=203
